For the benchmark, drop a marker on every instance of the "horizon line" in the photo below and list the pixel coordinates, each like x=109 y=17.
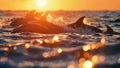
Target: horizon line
x=52 y=10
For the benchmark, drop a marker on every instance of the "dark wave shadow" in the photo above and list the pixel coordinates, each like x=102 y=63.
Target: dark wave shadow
x=107 y=66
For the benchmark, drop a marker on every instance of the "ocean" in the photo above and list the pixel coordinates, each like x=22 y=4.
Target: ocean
x=78 y=49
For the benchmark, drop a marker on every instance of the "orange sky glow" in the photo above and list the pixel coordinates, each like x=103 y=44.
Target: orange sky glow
x=61 y=5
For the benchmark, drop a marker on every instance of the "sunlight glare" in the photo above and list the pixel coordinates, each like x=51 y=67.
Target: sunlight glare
x=41 y=3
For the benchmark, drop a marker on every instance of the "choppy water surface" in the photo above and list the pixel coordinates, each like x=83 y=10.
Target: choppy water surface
x=65 y=50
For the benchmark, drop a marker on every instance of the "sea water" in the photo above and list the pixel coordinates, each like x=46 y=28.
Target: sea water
x=65 y=50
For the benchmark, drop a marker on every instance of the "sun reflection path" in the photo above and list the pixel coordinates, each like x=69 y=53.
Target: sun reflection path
x=88 y=60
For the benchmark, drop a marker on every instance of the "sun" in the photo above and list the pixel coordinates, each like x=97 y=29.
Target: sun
x=41 y=3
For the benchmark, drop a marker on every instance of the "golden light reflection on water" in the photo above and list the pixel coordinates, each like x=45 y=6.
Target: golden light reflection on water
x=82 y=60
x=95 y=45
x=9 y=45
x=91 y=61
x=71 y=66
x=27 y=45
x=56 y=52
x=59 y=19
x=60 y=50
x=95 y=59
x=40 y=41
x=55 y=38
x=6 y=49
x=103 y=41
x=47 y=41
x=49 y=18
x=88 y=60
x=101 y=59
x=83 y=63
x=87 y=64
x=45 y=54
x=90 y=47
x=86 y=47
x=3 y=59
x=14 y=48
x=86 y=55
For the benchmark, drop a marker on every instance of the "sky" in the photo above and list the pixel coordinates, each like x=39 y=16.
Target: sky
x=61 y=5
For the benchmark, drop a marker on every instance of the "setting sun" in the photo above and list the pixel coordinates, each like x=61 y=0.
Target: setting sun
x=41 y=3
